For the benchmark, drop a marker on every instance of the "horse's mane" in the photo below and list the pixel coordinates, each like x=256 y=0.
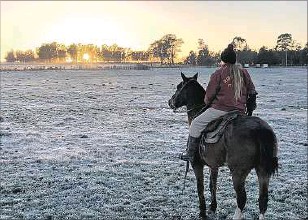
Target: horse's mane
x=198 y=88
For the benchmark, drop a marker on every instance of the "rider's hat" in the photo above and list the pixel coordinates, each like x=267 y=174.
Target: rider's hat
x=228 y=55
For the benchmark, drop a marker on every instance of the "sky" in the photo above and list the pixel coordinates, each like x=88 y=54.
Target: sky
x=137 y=24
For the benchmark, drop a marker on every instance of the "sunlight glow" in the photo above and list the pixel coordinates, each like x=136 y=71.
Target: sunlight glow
x=137 y=24
x=90 y=29
x=86 y=57
x=68 y=60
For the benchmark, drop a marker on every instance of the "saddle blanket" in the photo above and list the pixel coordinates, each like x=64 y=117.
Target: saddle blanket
x=215 y=129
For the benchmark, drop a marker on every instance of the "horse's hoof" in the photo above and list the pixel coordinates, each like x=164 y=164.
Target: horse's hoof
x=261 y=217
x=202 y=216
x=213 y=208
x=238 y=214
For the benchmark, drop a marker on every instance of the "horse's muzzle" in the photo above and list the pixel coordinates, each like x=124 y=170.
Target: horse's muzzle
x=171 y=104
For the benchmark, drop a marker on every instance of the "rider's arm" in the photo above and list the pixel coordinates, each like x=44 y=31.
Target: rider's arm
x=212 y=88
x=251 y=101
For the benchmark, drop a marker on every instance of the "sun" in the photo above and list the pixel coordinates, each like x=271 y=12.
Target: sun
x=86 y=57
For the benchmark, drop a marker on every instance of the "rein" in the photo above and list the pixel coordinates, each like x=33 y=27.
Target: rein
x=184 y=186
x=195 y=107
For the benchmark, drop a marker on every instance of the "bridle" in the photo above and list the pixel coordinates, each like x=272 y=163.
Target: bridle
x=179 y=92
x=183 y=86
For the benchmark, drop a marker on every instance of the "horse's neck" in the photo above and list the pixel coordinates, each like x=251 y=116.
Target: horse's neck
x=193 y=110
x=195 y=104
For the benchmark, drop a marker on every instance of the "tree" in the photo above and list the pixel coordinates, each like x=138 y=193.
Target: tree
x=92 y=50
x=72 y=51
x=139 y=55
x=53 y=50
x=201 y=44
x=284 y=43
x=61 y=52
x=105 y=53
x=48 y=51
x=173 y=46
x=246 y=56
x=117 y=53
x=43 y=52
x=239 y=43
x=158 y=50
x=268 y=56
x=20 y=56
x=191 y=59
x=202 y=55
x=205 y=57
x=29 y=55
x=113 y=53
x=10 y=56
x=294 y=53
x=166 y=48
x=304 y=55
x=263 y=55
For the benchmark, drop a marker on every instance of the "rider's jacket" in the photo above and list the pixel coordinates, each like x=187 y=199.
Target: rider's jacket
x=220 y=93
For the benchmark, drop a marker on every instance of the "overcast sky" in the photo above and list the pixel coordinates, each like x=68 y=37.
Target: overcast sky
x=137 y=24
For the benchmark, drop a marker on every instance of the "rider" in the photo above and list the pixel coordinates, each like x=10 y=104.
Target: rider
x=230 y=88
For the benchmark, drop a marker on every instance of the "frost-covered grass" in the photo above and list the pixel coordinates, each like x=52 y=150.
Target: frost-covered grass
x=104 y=145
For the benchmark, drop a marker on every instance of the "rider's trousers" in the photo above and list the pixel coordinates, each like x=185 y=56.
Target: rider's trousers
x=200 y=122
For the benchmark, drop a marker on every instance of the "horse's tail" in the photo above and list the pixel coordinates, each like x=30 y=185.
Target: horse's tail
x=268 y=151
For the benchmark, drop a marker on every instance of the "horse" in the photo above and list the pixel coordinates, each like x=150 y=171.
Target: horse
x=247 y=143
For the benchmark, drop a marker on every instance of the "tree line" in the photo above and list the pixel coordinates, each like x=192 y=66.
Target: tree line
x=286 y=52
x=165 y=51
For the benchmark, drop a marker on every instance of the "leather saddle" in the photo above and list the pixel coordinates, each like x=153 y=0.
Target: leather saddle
x=215 y=129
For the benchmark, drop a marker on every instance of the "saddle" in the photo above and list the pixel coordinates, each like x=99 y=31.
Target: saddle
x=215 y=129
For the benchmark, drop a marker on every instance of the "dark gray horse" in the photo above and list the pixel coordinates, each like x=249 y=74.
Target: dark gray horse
x=247 y=143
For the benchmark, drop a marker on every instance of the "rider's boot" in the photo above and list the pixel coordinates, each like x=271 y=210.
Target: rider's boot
x=192 y=147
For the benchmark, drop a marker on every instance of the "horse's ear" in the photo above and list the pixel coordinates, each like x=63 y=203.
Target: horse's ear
x=195 y=76
x=183 y=77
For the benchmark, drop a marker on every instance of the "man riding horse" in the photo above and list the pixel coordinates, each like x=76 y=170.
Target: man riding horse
x=230 y=88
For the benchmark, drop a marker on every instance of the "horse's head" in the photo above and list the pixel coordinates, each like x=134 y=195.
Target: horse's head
x=188 y=92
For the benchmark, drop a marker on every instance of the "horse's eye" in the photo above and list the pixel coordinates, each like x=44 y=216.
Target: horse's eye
x=180 y=85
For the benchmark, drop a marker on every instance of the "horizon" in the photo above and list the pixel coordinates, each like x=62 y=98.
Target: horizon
x=135 y=25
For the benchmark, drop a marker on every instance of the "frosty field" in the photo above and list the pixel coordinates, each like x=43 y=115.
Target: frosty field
x=104 y=145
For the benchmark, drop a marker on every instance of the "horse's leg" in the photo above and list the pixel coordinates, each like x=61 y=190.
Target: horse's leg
x=198 y=170
x=238 y=178
x=263 y=192
x=213 y=187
